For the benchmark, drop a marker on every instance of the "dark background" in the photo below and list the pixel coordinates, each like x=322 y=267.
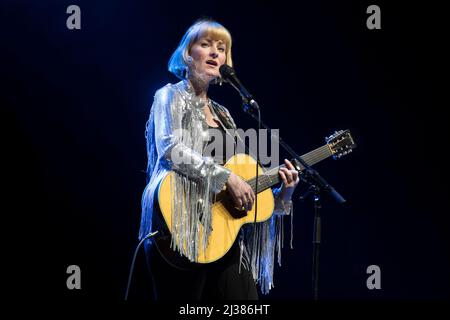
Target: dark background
x=75 y=103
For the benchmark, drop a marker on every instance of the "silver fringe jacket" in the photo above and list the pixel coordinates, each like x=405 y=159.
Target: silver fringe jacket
x=177 y=126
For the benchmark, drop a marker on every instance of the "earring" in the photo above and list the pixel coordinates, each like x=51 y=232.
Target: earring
x=189 y=59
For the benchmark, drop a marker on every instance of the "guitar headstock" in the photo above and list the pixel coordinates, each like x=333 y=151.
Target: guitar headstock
x=340 y=143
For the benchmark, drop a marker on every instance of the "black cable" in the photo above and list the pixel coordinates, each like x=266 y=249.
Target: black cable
x=249 y=108
x=257 y=162
x=151 y=234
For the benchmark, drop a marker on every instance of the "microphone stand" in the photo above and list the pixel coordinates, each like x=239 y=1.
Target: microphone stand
x=317 y=184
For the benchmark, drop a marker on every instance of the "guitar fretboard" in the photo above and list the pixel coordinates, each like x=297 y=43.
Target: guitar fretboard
x=272 y=177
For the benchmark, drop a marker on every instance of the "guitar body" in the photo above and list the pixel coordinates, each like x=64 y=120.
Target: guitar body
x=226 y=220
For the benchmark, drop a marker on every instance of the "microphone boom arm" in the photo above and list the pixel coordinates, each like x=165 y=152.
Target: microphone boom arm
x=312 y=176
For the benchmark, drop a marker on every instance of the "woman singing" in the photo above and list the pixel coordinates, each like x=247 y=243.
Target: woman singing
x=181 y=119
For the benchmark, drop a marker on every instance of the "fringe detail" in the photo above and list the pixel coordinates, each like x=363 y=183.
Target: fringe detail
x=259 y=245
x=191 y=212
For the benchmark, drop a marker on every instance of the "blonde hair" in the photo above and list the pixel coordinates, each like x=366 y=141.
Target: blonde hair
x=204 y=27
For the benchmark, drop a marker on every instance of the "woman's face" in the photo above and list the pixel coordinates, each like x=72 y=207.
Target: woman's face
x=207 y=56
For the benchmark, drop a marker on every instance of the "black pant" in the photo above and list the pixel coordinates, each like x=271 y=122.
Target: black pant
x=219 y=280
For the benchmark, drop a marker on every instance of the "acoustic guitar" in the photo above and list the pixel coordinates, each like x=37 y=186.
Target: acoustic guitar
x=226 y=219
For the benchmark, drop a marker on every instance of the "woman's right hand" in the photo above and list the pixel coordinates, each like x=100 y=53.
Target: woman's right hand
x=241 y=192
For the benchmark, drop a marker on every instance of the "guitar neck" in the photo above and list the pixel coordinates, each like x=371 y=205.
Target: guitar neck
x=272 y=177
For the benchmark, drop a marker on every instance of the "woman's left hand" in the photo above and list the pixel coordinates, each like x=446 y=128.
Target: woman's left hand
x=290 y=179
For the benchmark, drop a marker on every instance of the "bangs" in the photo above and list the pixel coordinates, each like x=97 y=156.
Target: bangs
x=216 y=33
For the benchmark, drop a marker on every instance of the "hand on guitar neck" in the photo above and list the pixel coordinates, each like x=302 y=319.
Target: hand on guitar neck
x=289 y=176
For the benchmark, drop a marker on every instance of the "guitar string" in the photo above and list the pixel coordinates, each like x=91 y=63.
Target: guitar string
x=266 y=181
x=267 y=177
x=271 y=177
x=270 y=173
x=313 y=155
x=308 y=158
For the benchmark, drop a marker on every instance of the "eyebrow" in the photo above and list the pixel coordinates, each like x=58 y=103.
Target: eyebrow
x=211 y=40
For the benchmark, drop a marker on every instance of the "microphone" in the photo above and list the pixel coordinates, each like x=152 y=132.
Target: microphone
x=229 y=75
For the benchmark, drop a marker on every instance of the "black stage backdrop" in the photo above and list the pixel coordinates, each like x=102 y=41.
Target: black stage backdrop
x=75 y=103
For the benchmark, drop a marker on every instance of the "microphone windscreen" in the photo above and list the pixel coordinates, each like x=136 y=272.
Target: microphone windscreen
x=226 y=71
